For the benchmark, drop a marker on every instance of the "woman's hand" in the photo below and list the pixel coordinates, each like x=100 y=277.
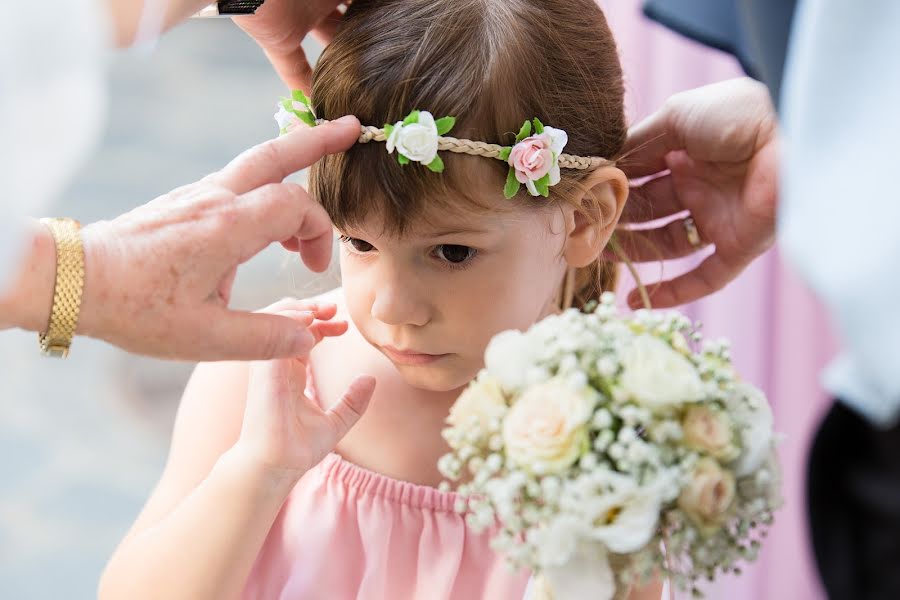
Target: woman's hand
x=279 y=26
x=712 y=153
x=285 y=432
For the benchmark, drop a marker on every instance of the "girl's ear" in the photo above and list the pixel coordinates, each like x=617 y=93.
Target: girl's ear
x=590 y=228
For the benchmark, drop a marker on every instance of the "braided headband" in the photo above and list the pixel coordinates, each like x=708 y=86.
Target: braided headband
x=534 y=159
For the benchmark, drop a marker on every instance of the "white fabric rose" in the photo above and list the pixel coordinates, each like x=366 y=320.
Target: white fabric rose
x=416 y=141
x=286 y=120
x=756 y=433
x=656 y=376
x=480 y=403
x=545 y=430
x=709 y=430
x=559 y=139
x=708 y=495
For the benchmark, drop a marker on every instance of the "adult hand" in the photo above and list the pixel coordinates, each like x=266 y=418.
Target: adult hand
x=279 y=27
x=158 y=279
x=712 y=153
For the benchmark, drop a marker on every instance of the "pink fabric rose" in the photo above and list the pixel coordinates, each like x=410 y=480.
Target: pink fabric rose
x=532 y=158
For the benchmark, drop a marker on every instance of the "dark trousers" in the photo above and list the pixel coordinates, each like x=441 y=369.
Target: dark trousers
x=853 y=496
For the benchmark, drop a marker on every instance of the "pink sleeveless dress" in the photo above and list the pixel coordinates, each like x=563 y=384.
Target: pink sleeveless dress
x=349 y=533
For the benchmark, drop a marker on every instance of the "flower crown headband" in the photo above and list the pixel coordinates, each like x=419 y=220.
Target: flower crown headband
x=534 y=159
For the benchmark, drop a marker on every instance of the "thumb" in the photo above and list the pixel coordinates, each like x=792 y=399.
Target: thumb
x=344 y=415
x=237 y=335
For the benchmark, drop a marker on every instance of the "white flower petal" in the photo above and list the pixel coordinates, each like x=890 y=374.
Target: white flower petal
x=392 y=139
x=427 y=120
x=586 y=575
x=554 y=172
x=559 y=139
x=531 y=188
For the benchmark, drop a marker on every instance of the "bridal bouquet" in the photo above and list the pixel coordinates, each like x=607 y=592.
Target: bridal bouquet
x=605 y=450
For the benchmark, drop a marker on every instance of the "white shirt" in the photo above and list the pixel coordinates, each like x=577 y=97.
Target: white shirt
x=840 y=213
x=53 y=62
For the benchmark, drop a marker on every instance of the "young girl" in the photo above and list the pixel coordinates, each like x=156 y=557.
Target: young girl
x=263 y=494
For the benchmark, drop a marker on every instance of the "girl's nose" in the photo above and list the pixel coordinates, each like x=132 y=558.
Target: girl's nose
x=398 y=304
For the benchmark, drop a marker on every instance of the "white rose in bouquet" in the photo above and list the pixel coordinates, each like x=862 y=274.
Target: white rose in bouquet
x=656 y=376
x=545 y=430
x=509 y=358
x=749 y=407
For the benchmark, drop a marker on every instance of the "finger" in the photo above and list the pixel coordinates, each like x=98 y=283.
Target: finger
x=236 y=335
x=316 y=308
x=709 y=276
x=327 y=27
x=654 y=199
x=667 y=242
x=322 y=329
x=351 y=406
x=284 y=210
x=273 y=160
x=647 y=144
x=293 y=68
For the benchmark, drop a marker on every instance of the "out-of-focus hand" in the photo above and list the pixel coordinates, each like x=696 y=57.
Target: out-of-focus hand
x=280 y=25
x=713 y=156
x=158 y=279
x=284 y=432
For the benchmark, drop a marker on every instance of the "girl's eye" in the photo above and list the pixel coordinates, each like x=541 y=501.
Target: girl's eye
x=358 y=244
x=455 y=254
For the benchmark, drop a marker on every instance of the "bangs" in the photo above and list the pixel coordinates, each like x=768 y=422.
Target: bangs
x=366 y=183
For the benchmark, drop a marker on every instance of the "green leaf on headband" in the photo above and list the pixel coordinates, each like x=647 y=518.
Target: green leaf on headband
x=504 y=153
x=388 y=130
x=538 y=126
x=287 y=105
x=542 y=185
x=512 y=184
x=445 y=124
x=524 y=132
x=307 y=118
x=402 y=159
x=437 y=165
x=299 y=96
x=411 y=118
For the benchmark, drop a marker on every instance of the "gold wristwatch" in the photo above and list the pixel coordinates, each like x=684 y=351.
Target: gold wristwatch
x=68 y=287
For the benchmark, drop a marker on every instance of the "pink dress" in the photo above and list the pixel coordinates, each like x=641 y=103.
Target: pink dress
x=348 y=533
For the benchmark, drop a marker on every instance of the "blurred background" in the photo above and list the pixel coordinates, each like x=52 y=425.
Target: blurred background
x=83 y=441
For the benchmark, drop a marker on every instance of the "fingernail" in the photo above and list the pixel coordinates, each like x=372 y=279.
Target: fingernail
x=346 y=119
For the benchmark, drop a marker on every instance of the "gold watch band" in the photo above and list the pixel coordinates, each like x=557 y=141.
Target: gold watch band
x=67 y=289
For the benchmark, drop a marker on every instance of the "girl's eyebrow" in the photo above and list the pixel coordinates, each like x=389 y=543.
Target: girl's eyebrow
x=454 y=231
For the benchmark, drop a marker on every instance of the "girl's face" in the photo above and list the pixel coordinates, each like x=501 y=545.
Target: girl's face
x=431 y=300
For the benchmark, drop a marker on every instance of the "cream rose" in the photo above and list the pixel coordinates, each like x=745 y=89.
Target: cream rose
x=656 y=376
x=416 y=141
x=545 y=430
x=708 y=495
x=709 y=430
x=478 y=405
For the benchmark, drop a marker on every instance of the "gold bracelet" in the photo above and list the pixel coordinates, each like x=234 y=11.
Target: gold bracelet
x=68 y=288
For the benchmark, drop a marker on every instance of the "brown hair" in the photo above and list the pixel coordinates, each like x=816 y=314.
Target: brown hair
x=490 y=63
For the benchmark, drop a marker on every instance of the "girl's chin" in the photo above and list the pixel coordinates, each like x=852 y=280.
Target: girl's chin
x=436 y=377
